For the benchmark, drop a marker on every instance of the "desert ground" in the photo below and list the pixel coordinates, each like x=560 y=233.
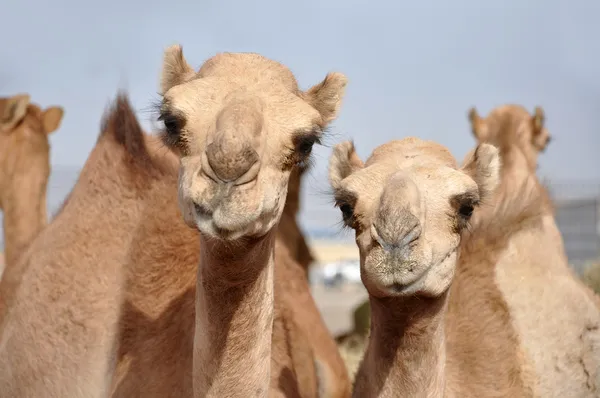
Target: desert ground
x=336 y=303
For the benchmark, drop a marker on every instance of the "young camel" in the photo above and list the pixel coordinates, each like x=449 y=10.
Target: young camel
x=409 y=205
x=24 y=170
x=245 y=130
x=556 y=316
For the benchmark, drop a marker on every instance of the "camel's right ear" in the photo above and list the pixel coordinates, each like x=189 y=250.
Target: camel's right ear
x=51 y=118
x=14 y=111
x=175 y=69
x=343 y=162
x=539 y=118
x=478 y=126
x=483 y=165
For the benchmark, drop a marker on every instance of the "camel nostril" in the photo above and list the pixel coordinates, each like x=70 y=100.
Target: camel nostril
x=411 y=237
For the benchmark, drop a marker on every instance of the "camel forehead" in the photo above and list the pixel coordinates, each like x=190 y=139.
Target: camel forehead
x=411 y=151
x=429 y=164
x=249 y=67
x=511 y=111
x=201 y=100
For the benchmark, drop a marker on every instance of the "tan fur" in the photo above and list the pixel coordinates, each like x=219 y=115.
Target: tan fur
x=241 y=318
x=288 y=226
x=24 y=170
x=60 y=304
x=556 y=317
x=425 y=340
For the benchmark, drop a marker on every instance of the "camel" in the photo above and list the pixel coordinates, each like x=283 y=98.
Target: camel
x=61 y=302
x=118 y=168
x=240 y=125
x=555 y=314
x=410 y=206
x=58 y=292
x=533 y=140
x=24 y=170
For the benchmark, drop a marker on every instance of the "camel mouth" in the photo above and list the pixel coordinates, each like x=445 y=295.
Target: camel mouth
x=406 y=288
x=431 y=281
x=217 y=224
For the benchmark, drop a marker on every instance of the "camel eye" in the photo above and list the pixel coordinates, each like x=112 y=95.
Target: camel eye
x=173 y=125
x=465 y=211
x=305 y=144
x=347 y=213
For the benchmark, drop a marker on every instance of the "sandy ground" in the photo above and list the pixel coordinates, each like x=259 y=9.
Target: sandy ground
x=337 y=304
x=327 y=251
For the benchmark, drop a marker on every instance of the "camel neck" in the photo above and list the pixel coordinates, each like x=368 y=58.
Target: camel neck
x=24 y=217
x=407 y=352
x=234 y=318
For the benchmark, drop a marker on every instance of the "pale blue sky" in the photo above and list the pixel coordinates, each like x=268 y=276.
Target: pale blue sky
x=414 y=67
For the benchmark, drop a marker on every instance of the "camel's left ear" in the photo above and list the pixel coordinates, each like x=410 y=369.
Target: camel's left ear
x=175 y=69
x=343 y=162
x=539 y=118
x=483 y=165
x=14 y=111
x=326 y=97
x=478 y=126
x=51 y=118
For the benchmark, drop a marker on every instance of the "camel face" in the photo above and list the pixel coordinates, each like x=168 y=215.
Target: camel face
x=408 y=205
x=512 y=124
x=24 y=144
x=241 y=125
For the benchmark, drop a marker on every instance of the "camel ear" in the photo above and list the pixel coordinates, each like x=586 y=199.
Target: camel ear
x=14 y=111
x=478 y=127
x=175 y=69
x=483 y=165
x=343 y=162
x=539 y=118
x=326 y=97
x=51 y=119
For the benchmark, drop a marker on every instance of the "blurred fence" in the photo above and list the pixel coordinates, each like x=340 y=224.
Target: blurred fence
x=578 y=219
x=579 y=224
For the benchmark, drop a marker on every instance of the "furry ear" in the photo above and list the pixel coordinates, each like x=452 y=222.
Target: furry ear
x=326 y=97
x=343 y=162
x=483 y=165
x=51 y=118
x=175 y=69
x=14 y=111
x=478 y=127
x=539 y=118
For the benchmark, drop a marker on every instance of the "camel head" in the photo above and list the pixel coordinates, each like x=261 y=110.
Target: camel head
x=241 y=125
x=24 y=146
x=408 y=204
x=512 y=125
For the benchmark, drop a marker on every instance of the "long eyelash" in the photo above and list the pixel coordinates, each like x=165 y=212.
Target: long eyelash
x=306 y=164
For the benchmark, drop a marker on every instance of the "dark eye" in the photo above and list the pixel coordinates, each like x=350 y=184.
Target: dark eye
x=347 y=213
x=465 y=211
x=172 y=130
x=171 y=124
x=305 y=145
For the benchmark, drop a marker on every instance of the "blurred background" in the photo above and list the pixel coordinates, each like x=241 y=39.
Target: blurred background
x=415 y=68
